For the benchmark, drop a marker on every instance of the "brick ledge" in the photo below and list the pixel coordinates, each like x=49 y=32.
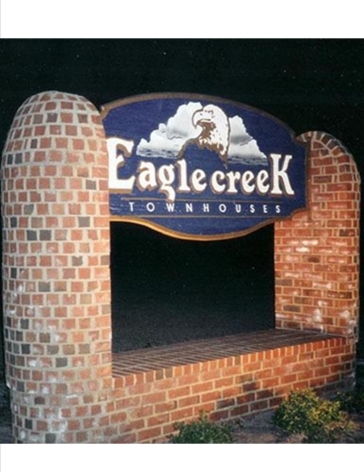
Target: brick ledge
x=145 y=364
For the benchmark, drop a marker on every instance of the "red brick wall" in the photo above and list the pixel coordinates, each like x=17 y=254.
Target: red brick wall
x=148 y=404
x=317 y=251
x=56 y=291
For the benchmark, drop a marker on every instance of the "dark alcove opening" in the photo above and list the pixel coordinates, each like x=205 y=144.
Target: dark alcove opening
x=167 y=290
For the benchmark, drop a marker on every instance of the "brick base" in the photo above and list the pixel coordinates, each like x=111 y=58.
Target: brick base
x=230 y=377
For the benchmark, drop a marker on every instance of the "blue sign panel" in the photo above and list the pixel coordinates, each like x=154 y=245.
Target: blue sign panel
x=199 y=167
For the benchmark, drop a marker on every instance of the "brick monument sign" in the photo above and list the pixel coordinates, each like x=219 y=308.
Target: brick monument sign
x=194 y=167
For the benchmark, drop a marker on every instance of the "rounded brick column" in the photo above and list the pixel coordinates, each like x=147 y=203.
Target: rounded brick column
x=317 y=250
x=56 y=281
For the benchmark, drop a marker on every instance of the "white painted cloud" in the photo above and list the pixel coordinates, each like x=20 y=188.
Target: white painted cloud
x=243 y=148
x=168 y=139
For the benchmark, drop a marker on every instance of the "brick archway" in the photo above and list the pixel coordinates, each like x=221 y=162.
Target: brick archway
x=65 y=387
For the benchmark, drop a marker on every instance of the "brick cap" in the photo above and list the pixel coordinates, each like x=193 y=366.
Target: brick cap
x=332 y=144
x=56 y=97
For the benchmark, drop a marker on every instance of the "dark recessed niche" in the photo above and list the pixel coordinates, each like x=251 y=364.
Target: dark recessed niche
x=167 y=290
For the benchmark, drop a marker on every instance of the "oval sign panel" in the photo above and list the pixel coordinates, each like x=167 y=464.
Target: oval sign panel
x=199 y=167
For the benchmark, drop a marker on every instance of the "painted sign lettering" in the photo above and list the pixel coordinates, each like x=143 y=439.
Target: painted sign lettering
x=199 y=167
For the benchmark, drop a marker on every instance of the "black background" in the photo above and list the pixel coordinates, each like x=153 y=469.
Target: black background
x=309 y=84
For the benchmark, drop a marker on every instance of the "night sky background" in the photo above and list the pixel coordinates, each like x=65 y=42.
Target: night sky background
x=308 y=84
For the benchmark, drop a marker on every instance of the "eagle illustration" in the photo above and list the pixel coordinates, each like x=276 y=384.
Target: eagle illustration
x=215 y=133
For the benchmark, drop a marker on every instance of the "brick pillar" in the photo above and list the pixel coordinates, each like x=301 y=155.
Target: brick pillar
x=56 y=282
x=317 y=251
